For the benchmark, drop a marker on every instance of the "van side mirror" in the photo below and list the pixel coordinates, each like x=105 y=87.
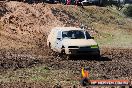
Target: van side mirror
x=58 y=38
x=92 y=37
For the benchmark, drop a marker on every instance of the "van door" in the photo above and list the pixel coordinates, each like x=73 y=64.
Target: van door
x=58 y=43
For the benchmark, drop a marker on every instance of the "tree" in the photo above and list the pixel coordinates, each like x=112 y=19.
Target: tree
x=128 y=11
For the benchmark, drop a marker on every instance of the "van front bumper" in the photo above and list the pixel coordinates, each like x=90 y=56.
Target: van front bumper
x=93 y=51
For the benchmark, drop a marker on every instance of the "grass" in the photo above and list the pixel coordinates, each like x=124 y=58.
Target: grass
x=34 y=74
x=112 y=28
x=38 y=74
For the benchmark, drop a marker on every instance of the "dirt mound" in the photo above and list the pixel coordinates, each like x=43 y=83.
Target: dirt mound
x=25 y=26
x=25 y=21
x=31 y=22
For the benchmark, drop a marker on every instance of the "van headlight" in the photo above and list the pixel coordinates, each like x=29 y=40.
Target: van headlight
x=94 y=46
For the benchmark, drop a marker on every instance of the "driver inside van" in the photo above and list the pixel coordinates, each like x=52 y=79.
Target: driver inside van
x=73 y=34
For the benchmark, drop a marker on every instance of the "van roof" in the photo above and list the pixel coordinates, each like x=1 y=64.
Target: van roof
x=66 y=28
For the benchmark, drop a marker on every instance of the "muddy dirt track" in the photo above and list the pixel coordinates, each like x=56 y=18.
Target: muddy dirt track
x=113 y=64
x=116 y=63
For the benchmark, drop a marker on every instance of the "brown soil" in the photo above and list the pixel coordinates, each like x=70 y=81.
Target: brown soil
x=115 y=63
x=23 y=45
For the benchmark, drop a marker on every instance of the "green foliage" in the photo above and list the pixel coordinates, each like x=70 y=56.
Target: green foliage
x=128 y=11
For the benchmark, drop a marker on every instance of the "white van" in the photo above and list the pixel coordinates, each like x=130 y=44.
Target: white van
x=71 y=40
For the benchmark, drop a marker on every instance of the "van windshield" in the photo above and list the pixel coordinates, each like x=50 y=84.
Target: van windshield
x=73 y=34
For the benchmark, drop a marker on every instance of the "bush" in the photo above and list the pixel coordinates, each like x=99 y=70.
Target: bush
x=128 y=11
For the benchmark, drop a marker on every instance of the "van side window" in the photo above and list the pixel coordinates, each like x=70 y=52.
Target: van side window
x=59 y=34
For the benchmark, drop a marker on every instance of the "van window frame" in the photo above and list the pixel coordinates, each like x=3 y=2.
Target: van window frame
x=86 y=37
x=60 y=35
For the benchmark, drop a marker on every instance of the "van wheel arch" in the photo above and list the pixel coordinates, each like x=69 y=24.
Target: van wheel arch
x=63 y=52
